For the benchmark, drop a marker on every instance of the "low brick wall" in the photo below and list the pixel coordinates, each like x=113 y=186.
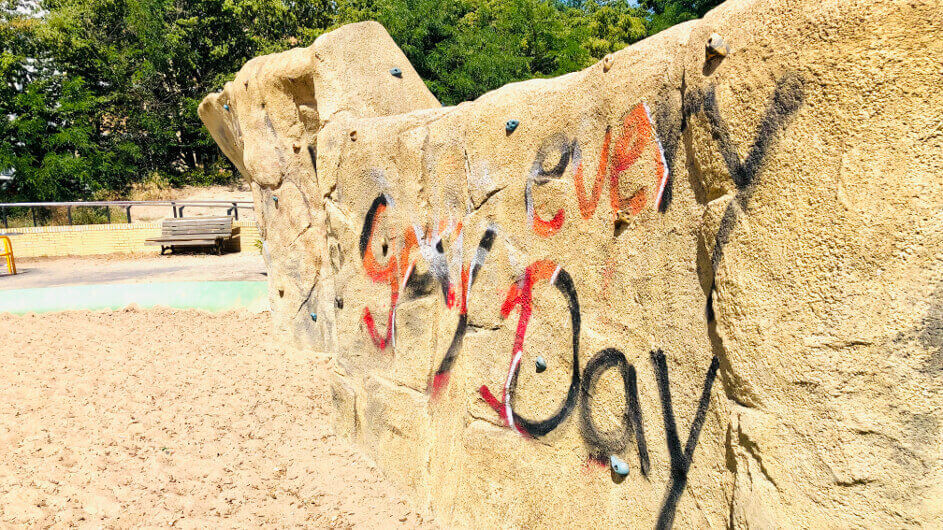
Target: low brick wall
x=84 y=240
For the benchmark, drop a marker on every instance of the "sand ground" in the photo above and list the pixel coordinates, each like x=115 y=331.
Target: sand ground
x=177 y=418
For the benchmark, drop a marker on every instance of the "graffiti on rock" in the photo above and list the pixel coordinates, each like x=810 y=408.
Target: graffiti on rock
x=680 y=460
x=520 y=294
x=602 y=444
x=622 y=148
x=637 y=135
x=569 y=156
x=469 y=275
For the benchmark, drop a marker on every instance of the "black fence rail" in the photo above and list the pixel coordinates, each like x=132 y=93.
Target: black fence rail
x=177 y=207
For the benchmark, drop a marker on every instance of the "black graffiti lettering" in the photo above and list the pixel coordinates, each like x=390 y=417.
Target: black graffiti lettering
x=368 y=222
x=680 y=460
x=419 y=284
x=564 y=284
x=455 y=346
x=786 y=100
x=558 y=142
x=607 y=443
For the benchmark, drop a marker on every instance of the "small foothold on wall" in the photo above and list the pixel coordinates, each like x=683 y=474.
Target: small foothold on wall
x=274 y=199
x=339 y=302
x=540 y=364
x=226 y=107
x=296 y=146
x=607 y=62
x=618 y=465
x=353 y=136
x=716 y=47
x=396 y=72
x=314 y=317
x=510 y=125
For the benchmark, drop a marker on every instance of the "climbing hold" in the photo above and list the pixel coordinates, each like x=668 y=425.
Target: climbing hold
x=296 y=146
x=541 y=364
x=396 y=72
x=274 y=199
x=226 y=107
x=314 y=317
x=607 y=62
x=510 y=125
x=339 y=302
x=716 y=47
x=353 y=136
x=618 y=465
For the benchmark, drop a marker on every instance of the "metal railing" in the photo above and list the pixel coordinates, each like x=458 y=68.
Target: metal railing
x=232 y=207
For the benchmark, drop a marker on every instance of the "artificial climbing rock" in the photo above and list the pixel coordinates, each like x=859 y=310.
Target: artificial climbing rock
x=731 y=268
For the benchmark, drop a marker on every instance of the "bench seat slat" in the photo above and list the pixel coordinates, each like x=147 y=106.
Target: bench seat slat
x=185 y=238
x=185 y=232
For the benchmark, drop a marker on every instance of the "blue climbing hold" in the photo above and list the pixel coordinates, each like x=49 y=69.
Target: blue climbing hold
x=314 y=317
x=226 y=107
x=541 y=364
x=618 y=465
x=396 y=72
x=510 y=125
x=274 y=198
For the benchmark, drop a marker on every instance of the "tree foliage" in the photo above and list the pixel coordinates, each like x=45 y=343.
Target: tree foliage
x=99 y=94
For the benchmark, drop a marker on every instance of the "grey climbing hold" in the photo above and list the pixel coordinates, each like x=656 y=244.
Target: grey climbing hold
x=716 y=47
x=618 y=465
x=314 y=317
x=339 y=302
x=510 y=125
x=396 y=72
x=541 y=364
x=226 y=107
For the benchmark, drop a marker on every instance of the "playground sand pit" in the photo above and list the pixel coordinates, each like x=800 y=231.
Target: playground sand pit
x=178 y=418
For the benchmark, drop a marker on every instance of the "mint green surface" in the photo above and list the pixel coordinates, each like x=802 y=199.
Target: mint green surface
x=210 y=296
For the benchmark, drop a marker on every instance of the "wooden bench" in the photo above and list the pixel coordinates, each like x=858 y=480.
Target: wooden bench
x=194 y=232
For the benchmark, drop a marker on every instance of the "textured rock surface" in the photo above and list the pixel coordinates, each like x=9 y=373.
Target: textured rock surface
x=773 y=217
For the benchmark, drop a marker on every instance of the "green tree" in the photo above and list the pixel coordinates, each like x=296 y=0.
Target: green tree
x=103 y=93
x=48 y=137
x=667 y=13
x=463 y=48
x=99 y=94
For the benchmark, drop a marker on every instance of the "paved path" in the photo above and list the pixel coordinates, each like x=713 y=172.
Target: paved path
x=53 y=272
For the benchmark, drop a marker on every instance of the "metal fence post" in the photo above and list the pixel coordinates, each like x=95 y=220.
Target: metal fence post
x=108 y=214
x=235 y=211
x=68 y=211
x=4 y=210
x=128 y=210
x=33 y=211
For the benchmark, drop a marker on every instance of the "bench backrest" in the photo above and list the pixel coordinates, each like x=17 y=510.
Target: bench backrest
x=186 y=226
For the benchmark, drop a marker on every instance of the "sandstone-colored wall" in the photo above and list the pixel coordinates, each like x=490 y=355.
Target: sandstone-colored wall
x=773 y=218
x=88 y=240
